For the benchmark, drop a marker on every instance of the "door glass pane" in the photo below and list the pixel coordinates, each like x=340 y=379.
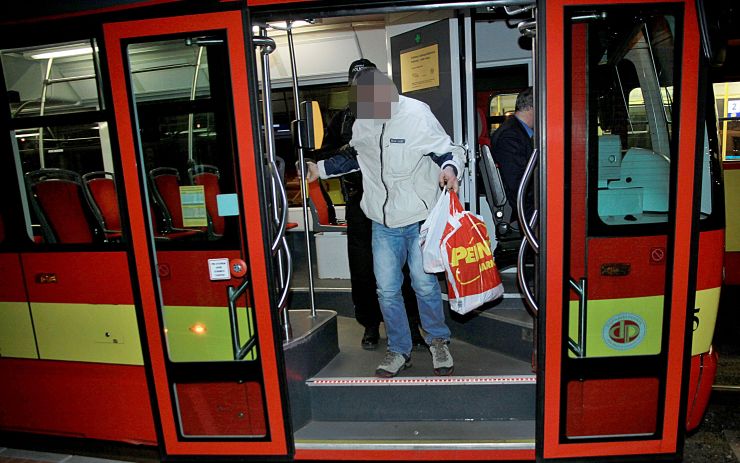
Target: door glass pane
x=185 y=147
x=633 y=80
x=185 y=125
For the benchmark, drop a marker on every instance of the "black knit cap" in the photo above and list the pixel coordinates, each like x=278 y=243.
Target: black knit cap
x=357 y=66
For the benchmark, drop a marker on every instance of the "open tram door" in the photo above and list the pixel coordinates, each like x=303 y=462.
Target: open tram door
x=619 y=226
x=192 y=183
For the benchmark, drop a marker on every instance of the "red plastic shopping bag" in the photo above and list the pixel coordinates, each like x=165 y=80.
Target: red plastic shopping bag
x=472 y=275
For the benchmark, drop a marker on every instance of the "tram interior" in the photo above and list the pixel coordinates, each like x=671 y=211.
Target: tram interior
x=184 y=135
x=326 y=409
x=492 y=346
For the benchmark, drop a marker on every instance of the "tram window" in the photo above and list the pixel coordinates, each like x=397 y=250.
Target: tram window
x=499 y=108
x=631 y=72
x=730 y=136
x=72 y=147
x=638 y=130
x=61 y=141
x=727 y=106
x=52 y=79
x=66 y=204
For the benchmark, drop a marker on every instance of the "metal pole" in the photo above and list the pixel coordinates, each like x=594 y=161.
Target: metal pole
x=268 y=46
x=44 y=88
x=191 y=116
x=301 y=161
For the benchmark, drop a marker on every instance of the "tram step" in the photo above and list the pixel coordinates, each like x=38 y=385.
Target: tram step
x=486 y=384
x=312 y=345
x=464 y=398
x=427 y=435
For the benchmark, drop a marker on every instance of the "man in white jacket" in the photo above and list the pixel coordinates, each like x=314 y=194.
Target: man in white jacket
x=405 y=157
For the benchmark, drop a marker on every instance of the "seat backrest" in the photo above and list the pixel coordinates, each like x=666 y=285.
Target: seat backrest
x=208 y=176
x=59 y=201
x=484 y=138
x=318 y=202
x=280 y=162
x=101 y=191
x=495 y=193
x=165 y=183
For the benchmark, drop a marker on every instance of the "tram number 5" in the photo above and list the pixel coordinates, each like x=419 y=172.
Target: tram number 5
x=696 y=318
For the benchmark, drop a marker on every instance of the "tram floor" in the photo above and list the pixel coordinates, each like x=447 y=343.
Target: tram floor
x=470 y=360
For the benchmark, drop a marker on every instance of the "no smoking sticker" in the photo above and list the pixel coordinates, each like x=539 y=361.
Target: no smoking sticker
x=657 y=255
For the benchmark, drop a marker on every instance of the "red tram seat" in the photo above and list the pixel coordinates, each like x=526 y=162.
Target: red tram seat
x=58 y=200
x=165 y=186
x=280 y=163
x=100 y=190
x=208 y=176
x=319 y=206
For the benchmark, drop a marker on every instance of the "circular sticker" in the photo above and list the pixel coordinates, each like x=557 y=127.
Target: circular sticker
x=657 y=255
x=624 y=331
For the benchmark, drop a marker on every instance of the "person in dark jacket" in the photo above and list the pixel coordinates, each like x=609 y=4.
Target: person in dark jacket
x=511 y=147
x=359 y=234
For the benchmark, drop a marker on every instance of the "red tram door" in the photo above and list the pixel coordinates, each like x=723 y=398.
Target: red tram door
x=191 y=177
x=620 y=226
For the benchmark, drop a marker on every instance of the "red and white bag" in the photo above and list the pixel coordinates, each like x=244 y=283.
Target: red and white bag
x=430 y=235
x=472 y=275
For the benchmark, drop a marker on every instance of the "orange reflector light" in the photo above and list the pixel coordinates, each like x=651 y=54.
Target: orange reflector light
x=198 y=328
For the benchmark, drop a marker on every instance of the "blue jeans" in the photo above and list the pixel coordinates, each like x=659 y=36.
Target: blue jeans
x=392 y=247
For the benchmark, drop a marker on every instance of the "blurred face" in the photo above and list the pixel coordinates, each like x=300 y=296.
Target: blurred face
x=372 y=96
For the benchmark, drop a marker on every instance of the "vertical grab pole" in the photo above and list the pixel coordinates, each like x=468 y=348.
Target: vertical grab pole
x=268 y=46
x=191 y=116
x=44 y=89
x=301 y=161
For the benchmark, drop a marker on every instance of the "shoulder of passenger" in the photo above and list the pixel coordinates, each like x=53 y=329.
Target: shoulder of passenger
x=413 y=104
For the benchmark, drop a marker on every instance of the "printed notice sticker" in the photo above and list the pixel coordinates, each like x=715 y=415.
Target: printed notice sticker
x=218 y=269
x=228 y=204
x=193 y=201
x=420 y=68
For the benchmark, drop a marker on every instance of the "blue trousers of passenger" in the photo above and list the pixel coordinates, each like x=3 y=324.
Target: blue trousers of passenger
x=392 y=247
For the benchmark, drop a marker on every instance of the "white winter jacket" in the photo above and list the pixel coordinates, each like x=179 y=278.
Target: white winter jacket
x=401 y=159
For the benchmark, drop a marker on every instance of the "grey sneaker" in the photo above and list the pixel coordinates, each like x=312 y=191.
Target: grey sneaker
x=441 y=358
x=392 y=363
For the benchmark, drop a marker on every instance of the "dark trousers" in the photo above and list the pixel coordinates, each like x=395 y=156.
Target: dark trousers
x=360 y=254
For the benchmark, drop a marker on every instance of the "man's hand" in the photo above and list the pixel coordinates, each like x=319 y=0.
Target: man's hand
x=448 y=179
x=312 y=170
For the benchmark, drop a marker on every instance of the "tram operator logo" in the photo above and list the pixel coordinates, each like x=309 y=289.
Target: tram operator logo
x=624 y=331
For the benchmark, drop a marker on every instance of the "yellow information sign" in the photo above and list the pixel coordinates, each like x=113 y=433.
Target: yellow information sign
x=193 y=201
x=420 y=68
